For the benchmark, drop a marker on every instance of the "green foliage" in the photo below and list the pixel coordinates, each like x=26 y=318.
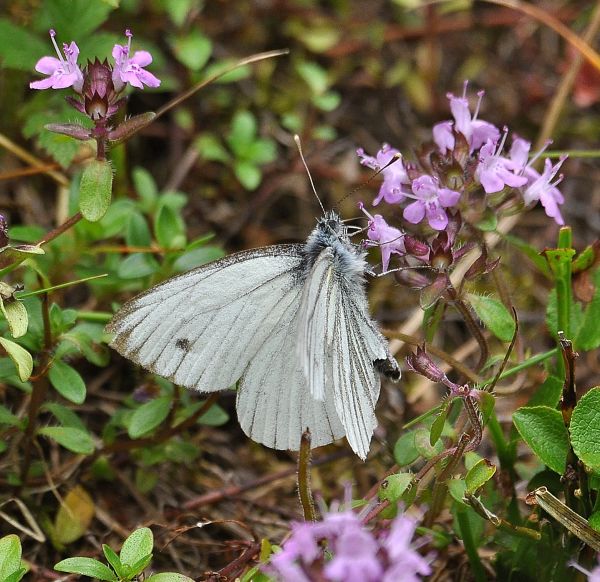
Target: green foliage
x=11 y=569
x=134 y=558
x=584 y=429
x=543 y=429
x=494 y=315
x=95 y=190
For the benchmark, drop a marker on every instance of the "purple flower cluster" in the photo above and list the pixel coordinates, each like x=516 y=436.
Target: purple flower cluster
x=65 y=72
x=464 y=168
x=99 y=87
x=341 y=548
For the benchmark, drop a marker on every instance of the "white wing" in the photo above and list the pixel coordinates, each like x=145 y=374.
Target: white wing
x=339 y=346
x=274 y=403
x=202 y=328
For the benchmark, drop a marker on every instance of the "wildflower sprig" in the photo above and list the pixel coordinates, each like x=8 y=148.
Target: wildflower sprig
x=464 y=176
x=341 y=547
x=99 y=87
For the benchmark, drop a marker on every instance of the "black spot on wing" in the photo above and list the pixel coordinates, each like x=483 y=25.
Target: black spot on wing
x=183 y=344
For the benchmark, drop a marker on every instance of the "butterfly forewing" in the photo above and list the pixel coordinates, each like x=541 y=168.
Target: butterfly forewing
x=202 y=328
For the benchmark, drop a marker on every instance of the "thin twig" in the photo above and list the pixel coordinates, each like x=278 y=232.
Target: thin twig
x=306 y=499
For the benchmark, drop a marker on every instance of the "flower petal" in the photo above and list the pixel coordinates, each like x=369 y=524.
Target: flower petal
x=415 y=212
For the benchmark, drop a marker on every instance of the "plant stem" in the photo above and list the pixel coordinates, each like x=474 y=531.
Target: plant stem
x=470 y=547
x=39 y=391
x=306 y=499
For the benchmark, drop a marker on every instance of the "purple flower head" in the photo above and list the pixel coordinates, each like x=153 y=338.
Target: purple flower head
x=430 y=201
x=406 y=562
x=62 y=71
x=354 y=552
x=354 y=555
x=394 y=175
x=131 y=70
x=494 y=172
x=544 y=189
x=387 y=238
x=476 y=131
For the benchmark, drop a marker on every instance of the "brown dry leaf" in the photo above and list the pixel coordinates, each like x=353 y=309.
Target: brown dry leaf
x=74 y=516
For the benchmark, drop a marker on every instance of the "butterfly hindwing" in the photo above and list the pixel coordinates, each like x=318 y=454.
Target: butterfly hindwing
x=274 y=403
x=202 y=328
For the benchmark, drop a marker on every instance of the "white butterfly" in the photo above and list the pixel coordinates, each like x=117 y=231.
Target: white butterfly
x=290 y=322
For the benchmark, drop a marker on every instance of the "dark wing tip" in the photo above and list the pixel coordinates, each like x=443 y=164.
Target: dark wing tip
x=389 y=368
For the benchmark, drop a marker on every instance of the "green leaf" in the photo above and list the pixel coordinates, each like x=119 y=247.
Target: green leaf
x=479 y=475
x=61 y=147
x=394 y=486
x=67 y=382
x=148 y=416
x=548 y=394
x=193 y=50
x=72 y=19
x=138 y=233
x=197 y=257
x=585 y=429
x=210 y=148
x=95 y=190
x=137 y=546
x=19 y=48
x=20 y=356
x=169 y=228
x=327 y=101
x=594 y=520
x=424 y=447
x=543 y=429
x=243 y=131
x=73 y=439
x=16 y=315
x=531 y=252
x=457 y=488
x=64 y=415
x=438 y=425
x=137 y=265
x=113 y=560
x=8 y=418
x=10 y=555
x=588 y=334
x=168 y=577
x=146 y=189
x=494 y=315
x=214 y=416
x=405 y=451
x=86 y=567
x=314 y=76
x=248 y=174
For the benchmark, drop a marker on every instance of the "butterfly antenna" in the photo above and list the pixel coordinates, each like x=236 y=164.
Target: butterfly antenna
x=299 y=146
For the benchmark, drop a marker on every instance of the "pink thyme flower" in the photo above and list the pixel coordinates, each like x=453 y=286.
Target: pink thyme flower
x=131 y=70
x=406 y=562
x=431 y=201
x=476 y=131
x=354 y=555
x=390 y=240
x=62 y=71
x=494 y=171
x=544 y=189
x=354 y=552
x=394 y=175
